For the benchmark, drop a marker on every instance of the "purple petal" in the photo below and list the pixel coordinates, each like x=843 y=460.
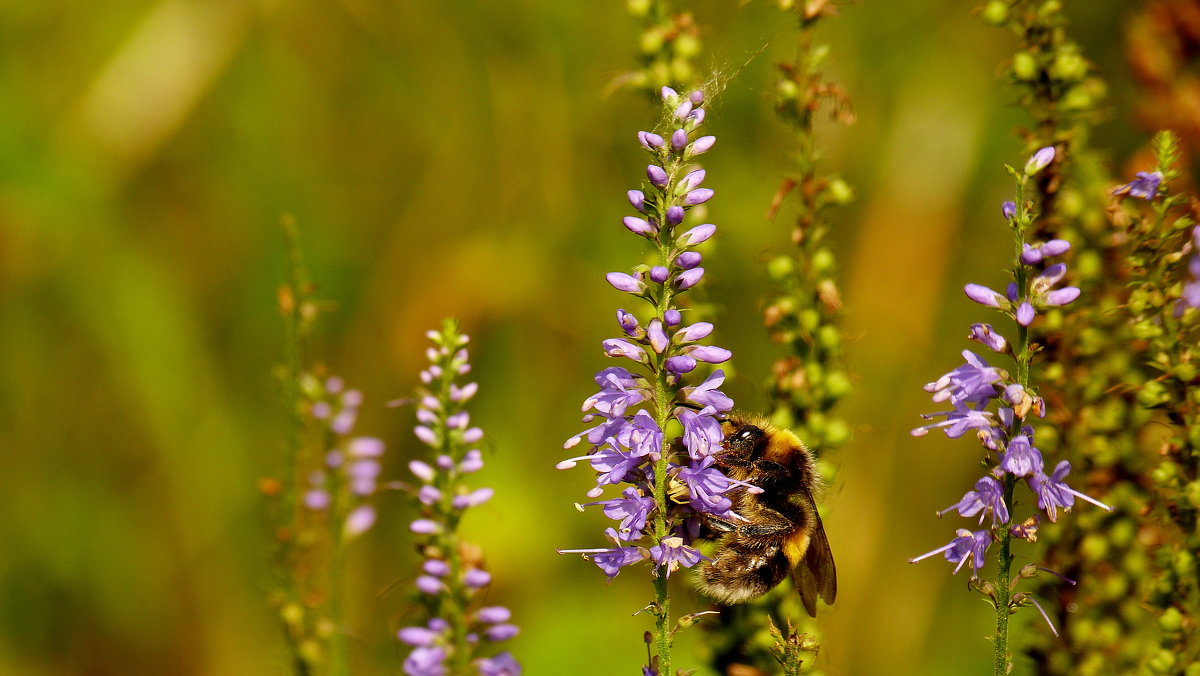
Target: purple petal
x=982 y=295
x=680 y=363
x=638 y=226
x=702 y=145
x=1025 y=314
x=688 y=278
x=657 y=175
x=649 y=140
x=696 y=235
x=679 y=140
x=658 y=337
x=688 y=259
x=1061 y=296
x=637 y=198
x=694 y=332
x=692 y=180
x=709 y=354
x=1040 y=160
x=624 y=282
x=1055 y=247
x=697 y=196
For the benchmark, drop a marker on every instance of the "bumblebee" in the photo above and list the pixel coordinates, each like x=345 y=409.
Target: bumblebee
x=782 y=531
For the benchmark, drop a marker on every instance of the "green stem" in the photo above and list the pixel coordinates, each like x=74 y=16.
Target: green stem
x=288 y=520
x=338 y=661
x=1023 y=356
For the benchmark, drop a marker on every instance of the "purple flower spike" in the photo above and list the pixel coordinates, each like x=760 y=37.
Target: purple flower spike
x=624 y=282
x=1040 y=160
x=679 y=140
x=688 y=278
x=639 y=226
x=697 y=196
x=1008 y=210
x=657 y=175
x=1025 y=314
x=983 y=295
x=696 y=235
x=650 y=141
x=702 y=145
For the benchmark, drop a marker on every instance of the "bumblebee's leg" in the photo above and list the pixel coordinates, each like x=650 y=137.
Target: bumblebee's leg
x=776 y=523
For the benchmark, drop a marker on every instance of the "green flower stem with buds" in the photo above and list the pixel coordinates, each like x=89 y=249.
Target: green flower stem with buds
x=1023 y=356
x=297 y=309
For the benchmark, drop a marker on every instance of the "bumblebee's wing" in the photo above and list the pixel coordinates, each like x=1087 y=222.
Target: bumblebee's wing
x=816 y=576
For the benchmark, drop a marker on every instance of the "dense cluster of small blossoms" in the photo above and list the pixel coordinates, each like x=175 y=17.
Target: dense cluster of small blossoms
x=998 y=406
x=667 y=486
x=453 y=579
x=626 y=446
x=344 y=485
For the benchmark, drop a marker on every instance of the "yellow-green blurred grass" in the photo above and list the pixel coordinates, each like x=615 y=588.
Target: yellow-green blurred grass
x=441 y=158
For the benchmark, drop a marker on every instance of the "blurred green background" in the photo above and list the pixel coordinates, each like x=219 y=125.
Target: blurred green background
x=450 y=158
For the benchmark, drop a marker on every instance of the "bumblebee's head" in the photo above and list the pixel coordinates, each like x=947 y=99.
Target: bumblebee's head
x=744 y=440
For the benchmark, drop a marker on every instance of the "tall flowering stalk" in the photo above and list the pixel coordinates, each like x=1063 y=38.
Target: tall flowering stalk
x=1162 y=309
x=458 y=630
x=319 y=515
x=997 y=406
x=803 y=314
x=654 y=434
